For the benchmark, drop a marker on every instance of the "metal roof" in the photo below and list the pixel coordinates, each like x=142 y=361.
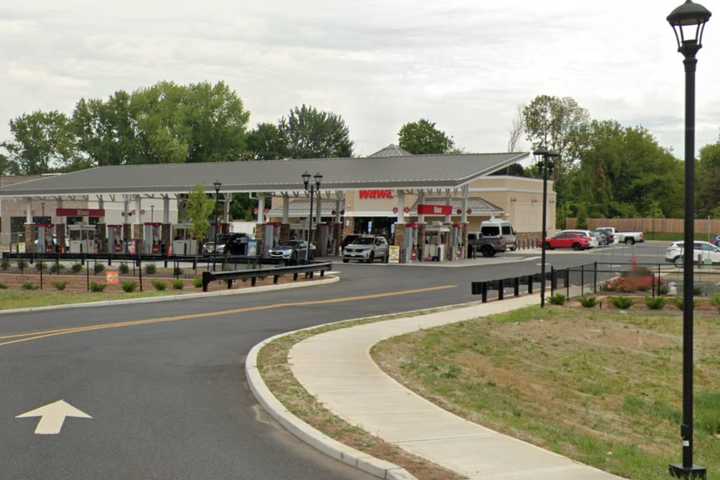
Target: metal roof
x=408 y=171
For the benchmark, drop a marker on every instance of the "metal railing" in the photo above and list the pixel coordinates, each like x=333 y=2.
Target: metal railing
x=253 y=275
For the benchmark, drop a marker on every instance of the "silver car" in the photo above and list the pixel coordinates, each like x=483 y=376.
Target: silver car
x=366 y=249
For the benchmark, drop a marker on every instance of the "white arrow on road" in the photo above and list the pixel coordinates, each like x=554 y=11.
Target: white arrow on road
x=52 y=416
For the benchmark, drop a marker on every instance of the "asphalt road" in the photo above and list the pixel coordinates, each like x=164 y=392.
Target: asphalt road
x=168 y=397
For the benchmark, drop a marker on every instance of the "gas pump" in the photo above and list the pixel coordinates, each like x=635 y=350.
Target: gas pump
x=271 y=236
x=45 y=242
x=410 y=240
x=115 y=239
x=82 y=238
x=183 y=243
x=455 y=241
x=152 y=239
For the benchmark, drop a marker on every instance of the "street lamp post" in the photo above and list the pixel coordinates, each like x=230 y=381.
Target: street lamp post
x=311 y=188
x=545 y=155
x=217 y=186
x=688 y=22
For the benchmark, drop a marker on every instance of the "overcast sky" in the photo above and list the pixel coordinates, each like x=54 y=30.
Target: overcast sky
x=465 y=64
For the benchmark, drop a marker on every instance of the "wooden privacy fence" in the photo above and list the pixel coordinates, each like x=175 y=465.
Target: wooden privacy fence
x=649 y=225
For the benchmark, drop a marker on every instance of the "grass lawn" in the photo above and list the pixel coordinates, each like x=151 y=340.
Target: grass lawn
x=11 y=299
x=601 y=387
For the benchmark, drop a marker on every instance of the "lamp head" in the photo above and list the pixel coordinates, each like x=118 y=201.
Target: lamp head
x=688 y=22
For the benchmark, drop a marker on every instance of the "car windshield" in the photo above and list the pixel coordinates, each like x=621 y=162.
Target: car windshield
x=289 y=244
x=490 y=231
x=364 y=241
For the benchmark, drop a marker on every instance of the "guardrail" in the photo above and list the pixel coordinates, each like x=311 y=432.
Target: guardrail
x=253 y=275
x=484 y=288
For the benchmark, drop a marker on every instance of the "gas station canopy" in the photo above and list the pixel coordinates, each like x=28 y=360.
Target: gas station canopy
x=390 y=172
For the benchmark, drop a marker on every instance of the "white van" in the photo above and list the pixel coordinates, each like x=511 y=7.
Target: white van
x=496 y=227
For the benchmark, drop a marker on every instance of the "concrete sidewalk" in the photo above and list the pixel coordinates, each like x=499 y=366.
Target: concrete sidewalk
x=336 y=367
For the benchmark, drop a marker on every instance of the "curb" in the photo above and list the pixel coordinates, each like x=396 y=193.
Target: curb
x=173 y=298
x=313 y=437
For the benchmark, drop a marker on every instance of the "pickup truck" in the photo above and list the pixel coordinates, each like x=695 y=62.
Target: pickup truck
x=485 y=245
x=628 y=238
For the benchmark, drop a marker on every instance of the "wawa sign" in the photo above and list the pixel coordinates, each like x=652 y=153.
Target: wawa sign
x=376 y=195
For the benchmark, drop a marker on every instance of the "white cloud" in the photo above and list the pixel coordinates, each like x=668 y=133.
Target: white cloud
x=462 y=63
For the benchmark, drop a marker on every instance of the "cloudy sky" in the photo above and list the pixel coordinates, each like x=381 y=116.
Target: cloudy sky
x=465 y=64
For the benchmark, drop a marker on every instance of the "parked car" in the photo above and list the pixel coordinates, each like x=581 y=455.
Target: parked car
x=576 y=241
x=349 y=239
x=593 y=238
x=486 y=245
x=367 y=248
x=606 y=236
x=233 y=243
x=716 y=241
x=495 y=227
x=628 y=238
x=292 y=251
x=702 y=251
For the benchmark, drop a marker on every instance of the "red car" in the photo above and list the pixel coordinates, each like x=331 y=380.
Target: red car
x=575 y=241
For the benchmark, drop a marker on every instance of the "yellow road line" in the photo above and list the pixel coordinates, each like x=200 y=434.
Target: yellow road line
x=37 y=335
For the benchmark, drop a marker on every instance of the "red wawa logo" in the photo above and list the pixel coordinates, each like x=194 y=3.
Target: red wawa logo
x=376 y=195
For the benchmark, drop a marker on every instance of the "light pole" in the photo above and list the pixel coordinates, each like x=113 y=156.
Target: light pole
x=543 y=153
x=311 y=188
x=688 y=22
x=217 y=186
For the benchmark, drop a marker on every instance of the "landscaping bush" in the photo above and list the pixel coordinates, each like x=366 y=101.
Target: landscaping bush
x=60 y=285
x=77 y=267
x=129 y=286
x=178 y=284
x=697 y=291
x=622 y=303
x=40 y=267
x=197 y=282
x=663 y=289
x=3 y=286
x=631 y=282
x=588 y=302
x=124 y=269
x=21 y=264
x=29 y=286
x=57 y=268
x=97 y=287
x=5 y=265
x=557 y=299
x=159 y=285
x=716 y=300
x=657 y=303
x=150 y=269
x=98 y=268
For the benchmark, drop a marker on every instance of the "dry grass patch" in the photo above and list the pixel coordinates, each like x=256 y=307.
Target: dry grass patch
x=601 y=387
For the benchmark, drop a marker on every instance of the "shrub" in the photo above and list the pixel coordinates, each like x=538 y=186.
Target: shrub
x=21 y=264
x=150 y=269
x=3 y=286
x=40 y=267
x=60 y=285
x=178 y=284
x=29 y=286
x=633 y=282
x=159 y=285
x=98 y=268
x=697 y=291
x=77 y=267
x=657 y=303
x=663 y=289
x=5 y=265
x=557 y=299
x=716 y=300
x=129 y=286
x=622 y=303
x=97 y=287
x=57 y=268
x=680 y=302
x=197 y=282
x=588 y=302
x=124 y=269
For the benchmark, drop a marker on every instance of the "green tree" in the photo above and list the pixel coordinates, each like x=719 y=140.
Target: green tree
x=423 y=137
x=708 y=180
x=42 y=142
x=311 y=133
x=266 y=142
x=199 y=210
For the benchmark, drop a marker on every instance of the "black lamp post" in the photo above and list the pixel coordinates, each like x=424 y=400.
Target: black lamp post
x=543 y=153
x=688 y=22
x=311 y=188
x=217 y=186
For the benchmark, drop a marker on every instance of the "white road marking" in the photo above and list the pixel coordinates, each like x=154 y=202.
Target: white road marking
x=52 y=416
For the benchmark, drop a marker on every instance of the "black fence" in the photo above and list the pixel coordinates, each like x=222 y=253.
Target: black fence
x=308 y=270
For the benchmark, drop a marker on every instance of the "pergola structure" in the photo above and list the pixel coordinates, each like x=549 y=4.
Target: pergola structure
x=423 y=175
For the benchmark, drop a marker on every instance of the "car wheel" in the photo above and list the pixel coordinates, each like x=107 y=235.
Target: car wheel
x=371 y=258
x=629 y=241
x=577 y=246
x=345 y=260
x=548 y=246
x=679 y=261
x=487 y=251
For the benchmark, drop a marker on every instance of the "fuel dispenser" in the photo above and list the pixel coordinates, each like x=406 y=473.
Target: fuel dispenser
x=183 y=243
x=436 y=237
x=408 y=247
x=115 y=239
x=152 y=239
x=45 y=242
x=82 y=238
x=456 y=242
